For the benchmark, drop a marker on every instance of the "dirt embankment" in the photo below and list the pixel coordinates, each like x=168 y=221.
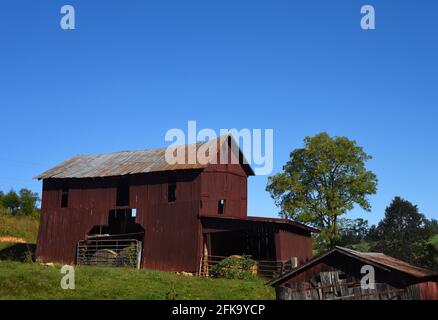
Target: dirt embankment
x=12 y=239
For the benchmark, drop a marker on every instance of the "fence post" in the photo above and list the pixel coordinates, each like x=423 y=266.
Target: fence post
x=293 y=262
x=139 y=249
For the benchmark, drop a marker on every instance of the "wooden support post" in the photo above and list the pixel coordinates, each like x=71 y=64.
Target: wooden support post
x=207 y=252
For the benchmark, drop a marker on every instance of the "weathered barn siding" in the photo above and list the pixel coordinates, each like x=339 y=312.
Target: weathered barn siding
x=224 y=182
x=428 y=290
x=61 y=228
x=166 y=225
x=293 y=244
x=171 y=229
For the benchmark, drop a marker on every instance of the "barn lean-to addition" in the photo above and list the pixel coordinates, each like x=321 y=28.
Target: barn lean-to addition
x=181 y=214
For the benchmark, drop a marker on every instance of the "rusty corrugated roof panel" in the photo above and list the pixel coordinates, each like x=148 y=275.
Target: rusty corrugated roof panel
x=131 y=162
x=391 y=262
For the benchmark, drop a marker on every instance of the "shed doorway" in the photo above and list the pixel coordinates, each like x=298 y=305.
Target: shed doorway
x=257 y=243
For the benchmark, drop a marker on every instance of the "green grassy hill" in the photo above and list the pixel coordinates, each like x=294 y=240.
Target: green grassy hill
x=35 y=281
x=19 y=227
x=24 y=279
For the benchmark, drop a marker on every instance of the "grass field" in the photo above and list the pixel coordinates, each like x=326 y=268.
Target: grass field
x=31 y=280
x=22 y=227
x=19 y=226
x=34 y=281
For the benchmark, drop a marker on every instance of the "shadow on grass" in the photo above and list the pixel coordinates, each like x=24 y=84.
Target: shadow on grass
x=22 y=252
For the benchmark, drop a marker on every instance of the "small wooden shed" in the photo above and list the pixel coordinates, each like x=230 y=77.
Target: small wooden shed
x=344 y=274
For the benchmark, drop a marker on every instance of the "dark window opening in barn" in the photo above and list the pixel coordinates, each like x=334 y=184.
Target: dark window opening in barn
x=221 y=206
x=64 y=197
x=171 y=192
x=122 y=193
x=120 y=222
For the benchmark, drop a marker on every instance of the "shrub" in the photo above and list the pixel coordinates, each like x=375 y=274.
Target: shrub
x=28 y=256
x=127 y=256
x=234 y=267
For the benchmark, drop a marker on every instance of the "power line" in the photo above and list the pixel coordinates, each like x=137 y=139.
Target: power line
x=22 y=162
x=15 y=181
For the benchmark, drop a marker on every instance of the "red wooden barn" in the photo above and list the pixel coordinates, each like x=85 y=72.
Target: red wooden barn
x=178 y=213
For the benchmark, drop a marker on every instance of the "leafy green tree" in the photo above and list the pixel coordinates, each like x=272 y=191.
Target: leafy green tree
x=2 y=195
x=11 y=201
x=3 y=210
x=353 y=231
x=403 y=222
x=373 y=234
x=322 y=181
x=404 y=233
x=28 y=202
x=432 y=226
x=419 y=252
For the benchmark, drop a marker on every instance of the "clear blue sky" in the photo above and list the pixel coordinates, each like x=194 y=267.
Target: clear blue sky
x=134 y=69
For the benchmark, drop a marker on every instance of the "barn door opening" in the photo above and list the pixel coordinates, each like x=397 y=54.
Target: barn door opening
x=117 y=244
x=121 y=223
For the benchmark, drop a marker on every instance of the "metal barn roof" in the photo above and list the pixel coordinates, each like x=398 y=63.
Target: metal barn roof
x=133 y=162
x=280 y=221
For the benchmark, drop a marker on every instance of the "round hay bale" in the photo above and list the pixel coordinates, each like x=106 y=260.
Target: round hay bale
x=103 y=257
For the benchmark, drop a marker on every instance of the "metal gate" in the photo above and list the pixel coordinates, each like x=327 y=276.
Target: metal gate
x=109 y=253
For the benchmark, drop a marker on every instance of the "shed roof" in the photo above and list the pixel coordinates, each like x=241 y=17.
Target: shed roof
x=277 y=221
x=391 y=262
x=135 y=162
x=376 y=259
